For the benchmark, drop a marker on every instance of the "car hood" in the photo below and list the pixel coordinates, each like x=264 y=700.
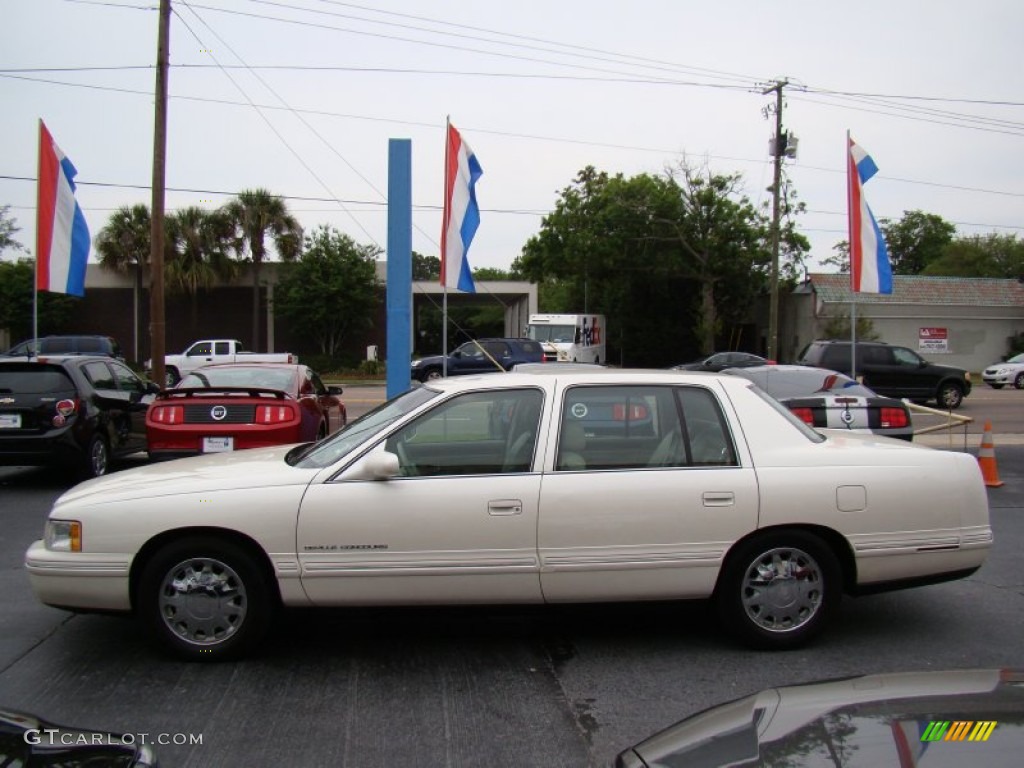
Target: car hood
x=253 y=468
x=876 y=719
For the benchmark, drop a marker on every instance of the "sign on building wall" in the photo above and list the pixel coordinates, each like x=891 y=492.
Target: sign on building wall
x=933 y=340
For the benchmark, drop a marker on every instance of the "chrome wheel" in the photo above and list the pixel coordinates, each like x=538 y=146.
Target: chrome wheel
x=782 y=590
x=97 y=458
x=779 y=588
x=205 y=598
x=433 y=375
x=202 y=601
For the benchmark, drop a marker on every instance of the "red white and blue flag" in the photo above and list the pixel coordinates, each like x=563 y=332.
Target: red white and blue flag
x=62 y=236
x=461 y=213
x=870 y=270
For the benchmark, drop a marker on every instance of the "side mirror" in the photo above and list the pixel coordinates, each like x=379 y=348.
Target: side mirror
x=381 y=465
x=152 y=387
x=456 y=353
x=335 y=390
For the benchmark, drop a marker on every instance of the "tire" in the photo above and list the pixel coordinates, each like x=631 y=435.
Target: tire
x=778 y=590
x=1000 y=386
x=226 y=610
x=96 y=461
x=171 y=377
x=950 y=395
x=1018 y=381
x=432 y=374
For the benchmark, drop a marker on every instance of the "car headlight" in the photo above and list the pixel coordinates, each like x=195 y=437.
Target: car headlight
x=416 y=363
x=63 y=535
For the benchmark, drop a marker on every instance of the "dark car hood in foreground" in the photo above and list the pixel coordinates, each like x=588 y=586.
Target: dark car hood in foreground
x=26 y=740
x=956 y=718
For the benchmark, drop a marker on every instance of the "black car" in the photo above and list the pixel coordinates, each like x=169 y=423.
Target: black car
x=67 y=345
x=892 y=371
x=26 y=740
x=71 y=412
x=955 y=717
x=722 y=360
x=479 y=356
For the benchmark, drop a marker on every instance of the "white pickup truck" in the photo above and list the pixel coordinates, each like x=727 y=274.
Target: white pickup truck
x=211 y=351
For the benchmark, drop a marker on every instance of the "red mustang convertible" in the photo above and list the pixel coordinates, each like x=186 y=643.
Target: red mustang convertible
x=242 y=405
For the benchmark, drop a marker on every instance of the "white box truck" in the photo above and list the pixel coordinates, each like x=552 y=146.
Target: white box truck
x=570 y=338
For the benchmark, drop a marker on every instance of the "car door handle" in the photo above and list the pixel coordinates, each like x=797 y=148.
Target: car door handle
x=505 y=507
x=719 y=499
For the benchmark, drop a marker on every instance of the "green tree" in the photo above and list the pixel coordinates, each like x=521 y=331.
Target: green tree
x=991 y=255
x=916 y=240
x=425 y=267
x=7 y=231
x=330 y=293
x=123 y=245
x=257 y=214
x=199 y=244
x=17 y=282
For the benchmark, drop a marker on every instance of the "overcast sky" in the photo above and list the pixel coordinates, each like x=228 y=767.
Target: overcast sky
x=302 y=96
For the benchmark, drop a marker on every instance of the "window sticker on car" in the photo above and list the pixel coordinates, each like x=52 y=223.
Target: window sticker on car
x=579 y=410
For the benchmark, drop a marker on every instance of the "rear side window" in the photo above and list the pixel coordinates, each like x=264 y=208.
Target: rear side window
x=57 y=346
x=633 y=427
x=34 y=381
x=532 y=347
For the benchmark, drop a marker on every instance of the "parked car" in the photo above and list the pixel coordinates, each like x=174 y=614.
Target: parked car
x=828 y=400
x=75 y=413
x=892 y=371
x=955 y=717
x=238 y=405
x=212 y=352
x=722 y=360
x=67 y=345
x=479 y=356
x=27 y=741
x=430 y=499
x=998 y=375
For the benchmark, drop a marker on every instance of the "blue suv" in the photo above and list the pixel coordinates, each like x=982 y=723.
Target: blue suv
x=480 y=356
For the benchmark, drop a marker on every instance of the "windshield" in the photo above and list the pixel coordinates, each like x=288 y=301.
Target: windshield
x=328 y=451
x=559 y=334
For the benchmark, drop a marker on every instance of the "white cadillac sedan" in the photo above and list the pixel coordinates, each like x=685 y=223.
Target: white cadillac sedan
x=560 y=485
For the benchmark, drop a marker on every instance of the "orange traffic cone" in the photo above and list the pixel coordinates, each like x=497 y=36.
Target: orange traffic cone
x=987 y=458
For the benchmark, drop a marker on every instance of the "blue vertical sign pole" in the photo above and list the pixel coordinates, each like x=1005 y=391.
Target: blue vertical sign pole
x=399 y=253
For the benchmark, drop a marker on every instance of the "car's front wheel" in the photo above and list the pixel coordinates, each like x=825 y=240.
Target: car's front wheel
x=1018 y=382
x=205 y=600
x=950 y=395
x=778 y=590
x=432 y=374
x=1000 y=386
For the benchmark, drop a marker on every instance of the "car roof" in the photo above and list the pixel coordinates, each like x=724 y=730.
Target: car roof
x=259 y=366
x=574 y=374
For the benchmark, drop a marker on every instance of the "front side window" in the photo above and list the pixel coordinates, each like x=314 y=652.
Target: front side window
x=906 y=357
x=127 y=381
x=202 y=348
x=472 y=434
x=633 y=427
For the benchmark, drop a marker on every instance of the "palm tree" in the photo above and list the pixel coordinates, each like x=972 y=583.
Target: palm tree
x=124 y=245
x=198 y=242
x=255 y=214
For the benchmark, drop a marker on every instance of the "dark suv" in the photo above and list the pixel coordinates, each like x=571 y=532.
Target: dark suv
x=77 y=413
x=480 y=356
x=892 y=371
x=67 y=345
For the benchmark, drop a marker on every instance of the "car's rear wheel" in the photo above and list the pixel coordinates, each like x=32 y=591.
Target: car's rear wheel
x=205 y=600
x=950 y=395
x=778 y=590
x=97 y=458
x=171 y=377
x=1018 y=382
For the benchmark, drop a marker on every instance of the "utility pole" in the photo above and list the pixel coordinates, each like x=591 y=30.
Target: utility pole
x=778 y=149
x=157 y=323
